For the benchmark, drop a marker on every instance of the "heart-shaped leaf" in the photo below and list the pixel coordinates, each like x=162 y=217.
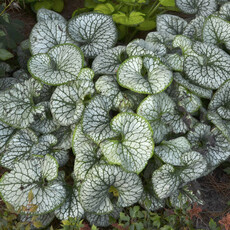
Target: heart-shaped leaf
x=152 y=108
x=130 y=76
x=46 y=15
x=60 y=65
x=67 y=101
x=109 y=61
x=94 y=32
x=135 y=146
x=224 y=11
x=95 y=192
x=27 y=176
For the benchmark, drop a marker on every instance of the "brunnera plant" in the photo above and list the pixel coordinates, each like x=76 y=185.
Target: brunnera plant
x=142 y=121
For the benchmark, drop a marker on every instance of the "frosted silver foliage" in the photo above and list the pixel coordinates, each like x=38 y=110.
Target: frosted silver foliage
x=135 y=146
x=210 y=71
x=96 y=119
x=195 y=89
x=71 y=208
x=171 y=25
x=171 y=151
x=47 y=34
x=211 y=143
x=217 y=32
x=44 y=123
x=194 y=29
x=28 y=176
x=6 y=133
x=220 y=101
x=122 y=100
x=154 y=108
x=7 y=82
x=94 y=32
x=86 y=152
x=19 y=148
x=199 y=7
x=59 y=65
x=224 y=11
x=96 y=191
x=157 y=80
x=109 y=61
x=103 y=220
x=140 y=47
x=67 y=101
x=48 y=144
x=46 y=15
x=175 y=61
x=16 y=105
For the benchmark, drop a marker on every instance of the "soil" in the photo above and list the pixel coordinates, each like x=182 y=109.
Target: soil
x=214 y=188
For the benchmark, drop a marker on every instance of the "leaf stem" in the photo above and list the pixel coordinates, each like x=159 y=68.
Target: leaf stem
x=6 y=7
x=154 y=10
x=152 y=7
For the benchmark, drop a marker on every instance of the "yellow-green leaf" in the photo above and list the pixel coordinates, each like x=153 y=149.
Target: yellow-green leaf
x=134 y=18
x=106 y=8
x=27 y=227
x=37 y=224
x=113 y=190
x=33 y=208
x=66 y=222
x=167 y=2
x=147 y=25
x=9 y=207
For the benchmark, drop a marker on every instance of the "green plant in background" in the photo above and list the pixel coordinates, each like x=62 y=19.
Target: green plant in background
x=130 y=15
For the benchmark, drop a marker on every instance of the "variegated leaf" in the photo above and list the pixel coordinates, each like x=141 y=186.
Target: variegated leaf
x=16 y=105
x=96 y=119
x=49 y=168
x=152 y=108
x=210 y=71
x=224 y=11
x=47 y=34
x=135 y=146
x=94 y=32
x=217 y=31
x=140 y=47
x=171 y=151
x=105 y=181
x=26 y=177
x=47 y=15
x=171 y=25
x=59 y=65
x=199 y=7
x=129 y=76
x=71 y=208
x=109 y=61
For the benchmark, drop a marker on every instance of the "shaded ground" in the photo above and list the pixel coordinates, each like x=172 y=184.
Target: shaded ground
x=215 y=188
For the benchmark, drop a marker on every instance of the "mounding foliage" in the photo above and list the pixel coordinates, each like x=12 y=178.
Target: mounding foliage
x=142 y=120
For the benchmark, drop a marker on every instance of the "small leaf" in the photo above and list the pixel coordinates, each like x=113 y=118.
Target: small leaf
x=168 y=3
x=134 y=18
x=5 y=55
x=106 y=8
x=30 y=196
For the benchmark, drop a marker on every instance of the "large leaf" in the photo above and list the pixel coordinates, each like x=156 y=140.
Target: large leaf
x=67 y=101
x=60 y=65
x=224 y=11
x=130 y=76
x=96 y=119
x=199 y=7
x=134 y=147
x=27 y=176
x=109 y=61
x=71 y=208
x=140 y=47
x=217 y=31
x=19 y=148
x=86 y=152
x=171 y=151
x=47 y=34
x=95 y=192
x=94 y=32
x=210 y=71
x=153 y=108
x=16 y=105
x=171 y=25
